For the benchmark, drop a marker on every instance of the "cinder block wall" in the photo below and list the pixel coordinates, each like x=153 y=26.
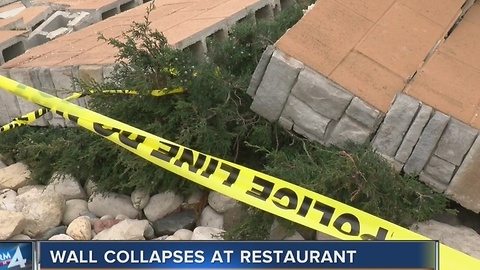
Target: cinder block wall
x=414 y=137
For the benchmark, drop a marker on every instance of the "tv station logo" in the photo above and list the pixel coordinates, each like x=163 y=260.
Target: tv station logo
x=17 y=256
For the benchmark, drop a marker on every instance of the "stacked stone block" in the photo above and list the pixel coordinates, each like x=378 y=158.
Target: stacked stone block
x=423 y=141
x=304 y=101
x=413 y=136
x=56 y=81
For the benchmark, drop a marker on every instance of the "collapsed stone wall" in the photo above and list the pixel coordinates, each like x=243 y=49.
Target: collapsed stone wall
x=413 y=136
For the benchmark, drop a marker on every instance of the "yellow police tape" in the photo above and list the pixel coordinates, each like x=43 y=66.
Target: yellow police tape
x=257 y=189
x=32 y=116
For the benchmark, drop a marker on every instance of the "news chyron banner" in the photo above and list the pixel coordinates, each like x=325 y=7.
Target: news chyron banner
x=88 y=255
x=18 y=255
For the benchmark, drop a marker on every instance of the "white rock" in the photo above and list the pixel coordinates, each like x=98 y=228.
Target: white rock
x=129 y=229
x=294 y=237
x=106 y=217
x=15 y=176
x=149 y=232
x=90 y=187
x=161 y=205
x=60 y=237
x=80 y=229
x=196 y=197
x=20 y=237
x=11 y=223
x=121 y=217
x=172 y=238
x=7 y=199
x=43 y=210
x=207 y=233
x=140 y=198
x=163 y=237
x=67 y=186
x=220 y=202
x=460 y=238
x=183 y=234
x=2 y=165
x=73 y=209
x=111 y=204
x=210 y=218
x=30 y=187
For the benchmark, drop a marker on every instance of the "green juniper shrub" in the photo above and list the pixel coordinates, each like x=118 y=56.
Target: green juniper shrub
x=212 y=115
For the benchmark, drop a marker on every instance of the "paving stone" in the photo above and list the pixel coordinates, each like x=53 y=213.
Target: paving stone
x=427 y=142
x=348 y=130
x=465 y=184
x=301 y=115
x=395 y=125
x=364 y=113
x=321 y=94
x=260 y=70
x=455 y=141
x=440 y=170
x=277 y=82
x=413 y=134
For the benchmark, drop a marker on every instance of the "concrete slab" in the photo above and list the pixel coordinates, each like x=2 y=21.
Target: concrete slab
x=473 y=14
x=448 y=85
x=401 y=40
x=368 y=80
x=372 y=10
x=463 y=44
x=440 y=11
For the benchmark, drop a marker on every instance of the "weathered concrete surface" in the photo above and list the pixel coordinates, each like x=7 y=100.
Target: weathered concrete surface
x=395 y=125
x=427 y=143
x=305 y=118
x=321 y=94
x=413 y=134
x=465 y=185
x=257 y=75
x=364 y=113
x=456 y=141
x=278 y=80
x=349 y=130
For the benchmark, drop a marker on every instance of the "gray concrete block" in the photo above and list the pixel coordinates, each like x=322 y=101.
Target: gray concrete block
x=277 y=82
x=427 y=143
x=440 y=170
x=24 y=76
x=305 y=118
x=465 y=184
x=395 y=125
x=413 y=134
x=89 y=73
x=285 y=123
x=364 y=113
x=348 y=130
x=257 y=75
x=321 y=94
x=456 y=141
x=9 y=100
x=108 y=72
x=432 y=182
